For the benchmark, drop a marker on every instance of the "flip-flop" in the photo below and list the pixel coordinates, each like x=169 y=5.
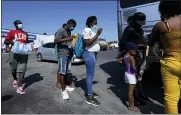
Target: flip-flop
x=135 y=109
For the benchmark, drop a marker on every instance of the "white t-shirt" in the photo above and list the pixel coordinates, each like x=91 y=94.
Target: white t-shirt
x=89 y=34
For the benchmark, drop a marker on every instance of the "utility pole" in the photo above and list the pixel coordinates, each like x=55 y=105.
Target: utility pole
x=118 y=17
x=119 y=20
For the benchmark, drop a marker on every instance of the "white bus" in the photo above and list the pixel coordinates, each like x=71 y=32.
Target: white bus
x=126 y=8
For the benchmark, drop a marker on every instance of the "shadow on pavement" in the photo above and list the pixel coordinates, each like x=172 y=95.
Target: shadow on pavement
x=120 y=88
x=36 y=77
x=6 y=97
x=78 y=64
x=116 y=80
x=74 y=64
x=48 y=61
x=153 y=75
x=82 y=84
x=153 y=81
x=71 y=78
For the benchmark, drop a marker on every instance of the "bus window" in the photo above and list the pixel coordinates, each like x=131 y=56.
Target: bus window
x=131 y=3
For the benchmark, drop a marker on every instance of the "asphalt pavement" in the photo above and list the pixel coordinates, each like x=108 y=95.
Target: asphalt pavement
x=42 y=96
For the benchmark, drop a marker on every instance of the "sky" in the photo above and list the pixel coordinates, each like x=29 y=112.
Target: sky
x=49 y=16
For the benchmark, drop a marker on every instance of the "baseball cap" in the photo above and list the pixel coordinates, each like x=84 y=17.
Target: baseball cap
x=131 y=46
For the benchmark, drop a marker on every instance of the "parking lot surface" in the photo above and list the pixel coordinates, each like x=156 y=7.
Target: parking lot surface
x=42 y=96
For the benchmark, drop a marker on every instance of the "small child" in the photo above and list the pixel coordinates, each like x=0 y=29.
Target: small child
x=130 y=73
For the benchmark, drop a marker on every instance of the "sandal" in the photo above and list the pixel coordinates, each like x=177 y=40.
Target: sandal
x=133 y=108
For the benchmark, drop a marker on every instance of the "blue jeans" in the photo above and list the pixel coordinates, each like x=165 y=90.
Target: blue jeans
x=90 y=62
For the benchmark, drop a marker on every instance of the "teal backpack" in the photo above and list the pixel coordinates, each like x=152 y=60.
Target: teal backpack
x=79 y=47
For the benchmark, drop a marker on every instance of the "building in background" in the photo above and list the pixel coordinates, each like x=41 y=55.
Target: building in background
x=103 y=44
x=39 y=39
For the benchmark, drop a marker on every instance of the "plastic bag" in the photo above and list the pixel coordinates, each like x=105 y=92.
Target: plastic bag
x=22 y=48
x=74 y=39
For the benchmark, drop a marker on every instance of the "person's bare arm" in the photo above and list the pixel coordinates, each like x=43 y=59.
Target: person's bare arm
x=120 y=60
x=147 y=50
x=59 y=40
x=59 y=36
x=89 y=42
x=8 y=41
x=155 y=34
x=132 y=62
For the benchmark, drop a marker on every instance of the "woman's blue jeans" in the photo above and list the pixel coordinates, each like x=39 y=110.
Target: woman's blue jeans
x=90 y=62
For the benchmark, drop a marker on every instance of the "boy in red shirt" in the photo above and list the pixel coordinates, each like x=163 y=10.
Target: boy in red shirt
x=18 y=62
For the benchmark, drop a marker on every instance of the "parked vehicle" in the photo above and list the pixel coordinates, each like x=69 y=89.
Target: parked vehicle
x=114 y=45
x=47 y=52
x=103 y=46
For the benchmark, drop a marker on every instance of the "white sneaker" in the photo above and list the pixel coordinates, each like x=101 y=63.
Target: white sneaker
x=65 y=95
x=20 y=90
x=15 y=83
x=68 y=88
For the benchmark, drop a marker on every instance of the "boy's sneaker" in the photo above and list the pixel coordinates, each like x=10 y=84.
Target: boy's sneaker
x=15 y=83
x=68 y=88
x=65 y=95
x=20 y=90
x=92 y=101
x=94 y=95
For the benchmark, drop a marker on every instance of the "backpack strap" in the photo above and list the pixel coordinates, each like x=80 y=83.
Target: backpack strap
x=167 y=25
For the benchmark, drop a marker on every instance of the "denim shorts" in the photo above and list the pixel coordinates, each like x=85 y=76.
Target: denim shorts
x=63 y=65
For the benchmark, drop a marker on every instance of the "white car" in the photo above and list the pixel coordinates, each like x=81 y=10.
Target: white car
x=47 y=52
x=114 y=45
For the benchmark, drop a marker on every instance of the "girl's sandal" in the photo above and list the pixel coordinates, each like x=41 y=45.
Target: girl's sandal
x=133 y=108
